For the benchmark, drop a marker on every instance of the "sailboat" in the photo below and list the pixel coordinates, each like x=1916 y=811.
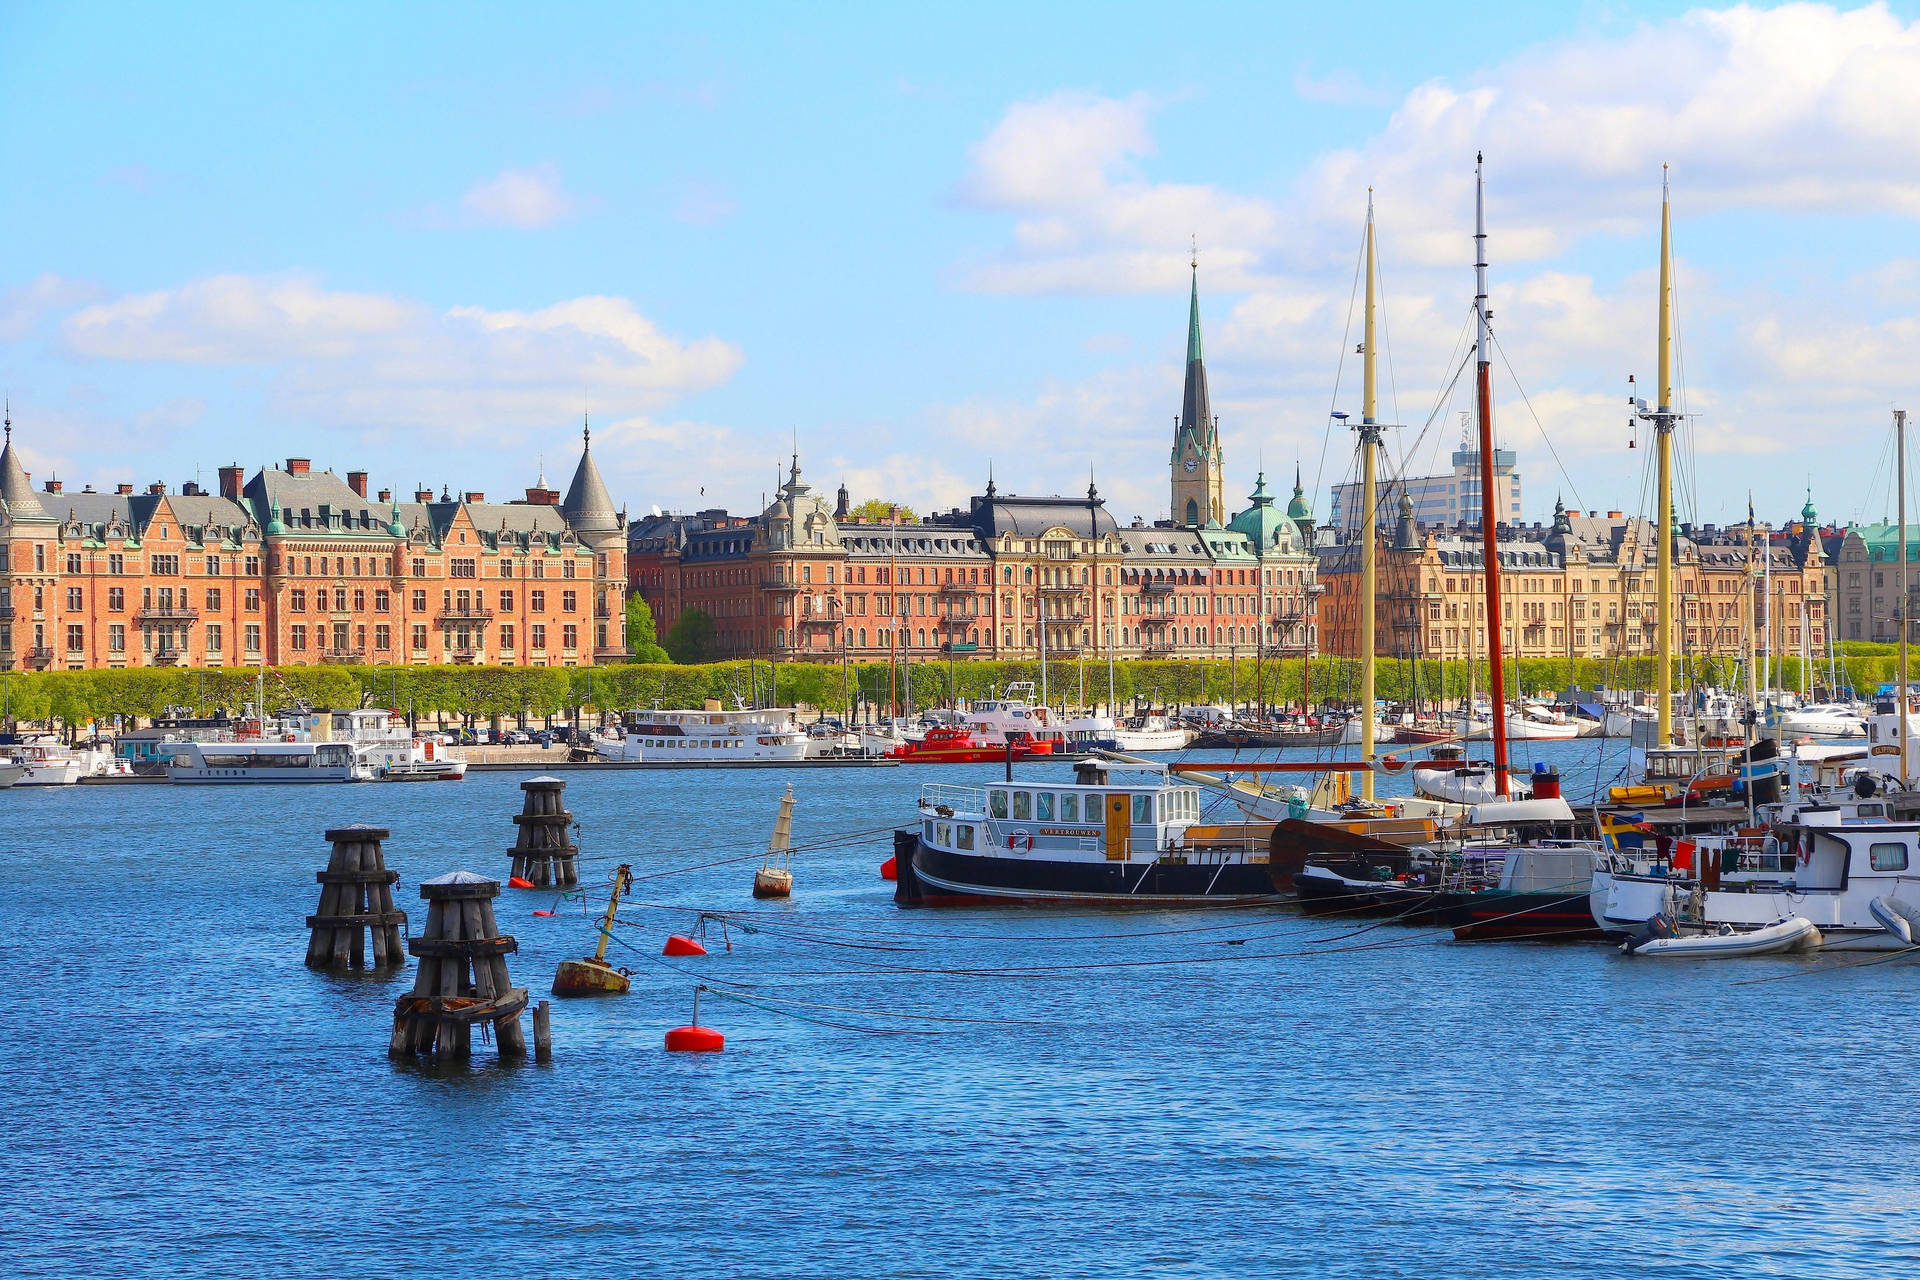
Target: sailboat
x=774 y=879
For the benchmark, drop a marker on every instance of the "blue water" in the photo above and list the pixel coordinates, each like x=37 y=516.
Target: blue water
x=186 y=1098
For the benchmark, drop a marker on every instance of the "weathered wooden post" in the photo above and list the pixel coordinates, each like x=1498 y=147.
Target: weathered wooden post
x=356 y=898
x=463 y=975
x=544 y=854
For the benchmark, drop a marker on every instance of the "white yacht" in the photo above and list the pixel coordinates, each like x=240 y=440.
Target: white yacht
x=46 y=763
x=260 y=761
x=1015 y=717
x=709 y=736
x=1822 y=720
x=1153 y=733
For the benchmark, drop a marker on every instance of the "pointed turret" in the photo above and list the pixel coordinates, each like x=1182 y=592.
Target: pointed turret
x=588 y=506
x=1406 y=535
x=15 y=488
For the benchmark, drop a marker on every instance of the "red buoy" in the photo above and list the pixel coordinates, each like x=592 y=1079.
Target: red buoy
x=519 y=882
x=890 y=869
x=543 y=913
x=681 y=945
x=695 y=1039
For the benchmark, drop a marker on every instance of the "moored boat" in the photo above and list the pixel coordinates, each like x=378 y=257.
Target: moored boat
x=1660 y=938
x=950 y=744
x=1102 y=840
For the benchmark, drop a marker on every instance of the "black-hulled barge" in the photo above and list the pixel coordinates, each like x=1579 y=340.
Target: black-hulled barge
x=1113 y=837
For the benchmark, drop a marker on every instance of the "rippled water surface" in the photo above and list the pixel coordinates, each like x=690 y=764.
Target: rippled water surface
x=1205 y=1094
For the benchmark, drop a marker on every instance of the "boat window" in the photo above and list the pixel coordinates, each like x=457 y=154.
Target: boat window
x=965 y=832
x=943 y=834
x=1143 y=808
x=1069 y=808
x=1022 y=805
x=1160 y=807
x=929 y=830
x=1888 y=855
x=1873 y=811
x=1043 y=806
x=997 y=803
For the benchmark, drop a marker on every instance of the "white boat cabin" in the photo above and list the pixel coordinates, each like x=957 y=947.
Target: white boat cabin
x=1095 y=818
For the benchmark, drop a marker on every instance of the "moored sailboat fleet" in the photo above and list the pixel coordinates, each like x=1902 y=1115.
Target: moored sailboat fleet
x=1739 y=836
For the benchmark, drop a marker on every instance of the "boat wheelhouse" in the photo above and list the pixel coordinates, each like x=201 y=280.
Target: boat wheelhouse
x=1112 y=837
x=705 y=737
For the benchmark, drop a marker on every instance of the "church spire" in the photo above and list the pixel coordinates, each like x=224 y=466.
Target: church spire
x=1196 y=414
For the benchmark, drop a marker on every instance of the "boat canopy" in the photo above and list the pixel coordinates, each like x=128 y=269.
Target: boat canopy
x=1508 y=813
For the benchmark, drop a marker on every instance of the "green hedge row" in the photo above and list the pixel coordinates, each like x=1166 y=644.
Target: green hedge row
x=480 y=693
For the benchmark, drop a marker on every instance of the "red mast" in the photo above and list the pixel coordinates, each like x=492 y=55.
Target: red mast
x=1489 y=535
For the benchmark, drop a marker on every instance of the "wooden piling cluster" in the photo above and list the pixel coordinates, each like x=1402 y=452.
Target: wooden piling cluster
x=544 y=854
x=356 y=899
x=463 y=975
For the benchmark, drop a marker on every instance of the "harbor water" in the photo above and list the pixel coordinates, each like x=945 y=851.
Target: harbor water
x=984 y=1093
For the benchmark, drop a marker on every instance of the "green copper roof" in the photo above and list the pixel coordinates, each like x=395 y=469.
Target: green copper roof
x=1298 y=508
x=1807 y=513
x=274 y=523
x=1193 y=321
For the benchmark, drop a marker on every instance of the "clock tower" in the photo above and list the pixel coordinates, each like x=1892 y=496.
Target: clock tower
x=1197 y=484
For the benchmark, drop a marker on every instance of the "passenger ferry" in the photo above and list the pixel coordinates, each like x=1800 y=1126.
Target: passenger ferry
x=1101 y=840
x=268 y=762
x=706 y=737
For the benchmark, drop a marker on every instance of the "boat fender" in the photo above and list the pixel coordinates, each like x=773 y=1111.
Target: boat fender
x=519 y=882
x=1657 y=926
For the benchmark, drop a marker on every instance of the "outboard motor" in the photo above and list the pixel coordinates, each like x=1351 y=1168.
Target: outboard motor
x=1658 y=926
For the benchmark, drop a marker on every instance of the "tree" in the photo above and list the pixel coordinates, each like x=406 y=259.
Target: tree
x=690 y=638
x=642 y=637
x=882 y=510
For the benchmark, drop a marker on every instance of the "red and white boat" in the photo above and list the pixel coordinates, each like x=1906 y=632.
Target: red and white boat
x=951 y=744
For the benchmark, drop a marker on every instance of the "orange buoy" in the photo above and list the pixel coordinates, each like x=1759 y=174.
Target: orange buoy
x=679 y=944
x=519 y=882
x=543 y=913
x=695 y=1039
x=890 y=869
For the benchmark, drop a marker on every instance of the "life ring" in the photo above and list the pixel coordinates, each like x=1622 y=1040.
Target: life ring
x=1021 y=840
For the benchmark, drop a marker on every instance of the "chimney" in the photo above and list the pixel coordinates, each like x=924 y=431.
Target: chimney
x=299 y=466
x=157 y=488
x=423 y=495
x=357 y=481
x=539 y=497
x=123 y=489
x=1614 y=515
x=192 y=489
x=473 y=495
x=53 y=486
x=230 y=480
x=386 y=495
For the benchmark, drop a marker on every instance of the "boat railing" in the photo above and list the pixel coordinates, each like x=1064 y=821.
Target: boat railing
x=955 y=799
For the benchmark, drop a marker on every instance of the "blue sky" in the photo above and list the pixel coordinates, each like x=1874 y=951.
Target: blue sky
x=421 y=240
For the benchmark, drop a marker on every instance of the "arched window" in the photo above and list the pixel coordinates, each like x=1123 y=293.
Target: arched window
x=1193 y=512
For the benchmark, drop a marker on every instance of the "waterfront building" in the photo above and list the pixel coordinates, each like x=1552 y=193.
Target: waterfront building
x=298 y=566
x=1450 y=500
x=1865 y=581
x=1583 y=587
x=1005 y=576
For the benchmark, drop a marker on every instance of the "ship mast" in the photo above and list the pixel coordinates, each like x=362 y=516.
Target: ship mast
x=1369 y=518
x=1489 y=534
x=1900 y=454
x=1663 y=420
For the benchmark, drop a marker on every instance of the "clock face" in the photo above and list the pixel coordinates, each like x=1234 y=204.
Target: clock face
x=1193 y=463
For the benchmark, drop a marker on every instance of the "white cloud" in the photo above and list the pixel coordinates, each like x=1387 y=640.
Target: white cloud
x=527 y=199
x=374 y=360
x=22 y=308
x=1086 y=219
x=1802 y=108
